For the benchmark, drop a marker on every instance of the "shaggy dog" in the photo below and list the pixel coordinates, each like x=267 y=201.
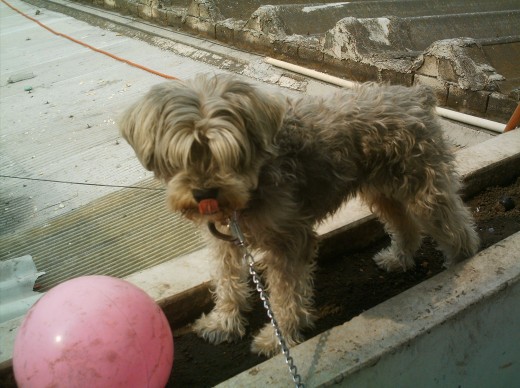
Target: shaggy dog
x=285 y=165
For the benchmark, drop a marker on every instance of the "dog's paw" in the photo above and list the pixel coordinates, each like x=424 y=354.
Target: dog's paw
x=388 y=260
x=217 y=327
x=266 y=342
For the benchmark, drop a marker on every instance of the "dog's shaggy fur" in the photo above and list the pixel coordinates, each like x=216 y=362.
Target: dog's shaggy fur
x=287 y=164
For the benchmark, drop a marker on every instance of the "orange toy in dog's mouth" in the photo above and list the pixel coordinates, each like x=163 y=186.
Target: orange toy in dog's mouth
x=208 y=206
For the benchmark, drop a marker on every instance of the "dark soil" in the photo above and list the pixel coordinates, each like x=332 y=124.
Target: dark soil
x=345 y=287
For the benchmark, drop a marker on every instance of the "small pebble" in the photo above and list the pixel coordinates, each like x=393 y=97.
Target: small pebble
x=507 y=203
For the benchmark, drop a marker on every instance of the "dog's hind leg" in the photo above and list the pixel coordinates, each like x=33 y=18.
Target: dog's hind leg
x=288 y=275
x=405 y=234
x=225 y=322
x=450 y=224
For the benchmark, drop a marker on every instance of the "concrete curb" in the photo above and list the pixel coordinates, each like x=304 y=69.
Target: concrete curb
x=459 y=328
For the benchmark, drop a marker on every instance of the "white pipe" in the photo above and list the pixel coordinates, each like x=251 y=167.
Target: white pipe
x=311 y=73
x=447 y=113
x=471 y=120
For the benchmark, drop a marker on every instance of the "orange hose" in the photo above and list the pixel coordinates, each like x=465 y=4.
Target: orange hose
x=128 y=62
x=514 y=120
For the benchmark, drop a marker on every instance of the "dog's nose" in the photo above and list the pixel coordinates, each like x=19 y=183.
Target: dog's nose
x=201 y=194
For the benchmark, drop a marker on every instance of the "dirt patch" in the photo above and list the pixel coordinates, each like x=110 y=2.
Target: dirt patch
x=345 y=287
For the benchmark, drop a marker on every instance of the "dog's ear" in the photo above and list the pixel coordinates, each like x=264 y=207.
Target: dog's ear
x=262 y=111
x=140 y=122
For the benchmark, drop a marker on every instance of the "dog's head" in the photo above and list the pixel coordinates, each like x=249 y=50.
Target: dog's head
x=206 y=139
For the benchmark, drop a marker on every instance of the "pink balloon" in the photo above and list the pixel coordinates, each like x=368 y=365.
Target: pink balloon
x=94 y=331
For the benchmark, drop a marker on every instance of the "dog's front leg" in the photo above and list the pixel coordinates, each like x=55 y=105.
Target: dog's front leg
x=288 y=273
x=225 y=322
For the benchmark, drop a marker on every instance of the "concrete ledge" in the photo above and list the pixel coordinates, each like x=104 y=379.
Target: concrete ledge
x=459 y=328
x=490 y=163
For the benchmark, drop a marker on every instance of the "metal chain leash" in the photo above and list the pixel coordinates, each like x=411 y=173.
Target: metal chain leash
x=249 y=260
